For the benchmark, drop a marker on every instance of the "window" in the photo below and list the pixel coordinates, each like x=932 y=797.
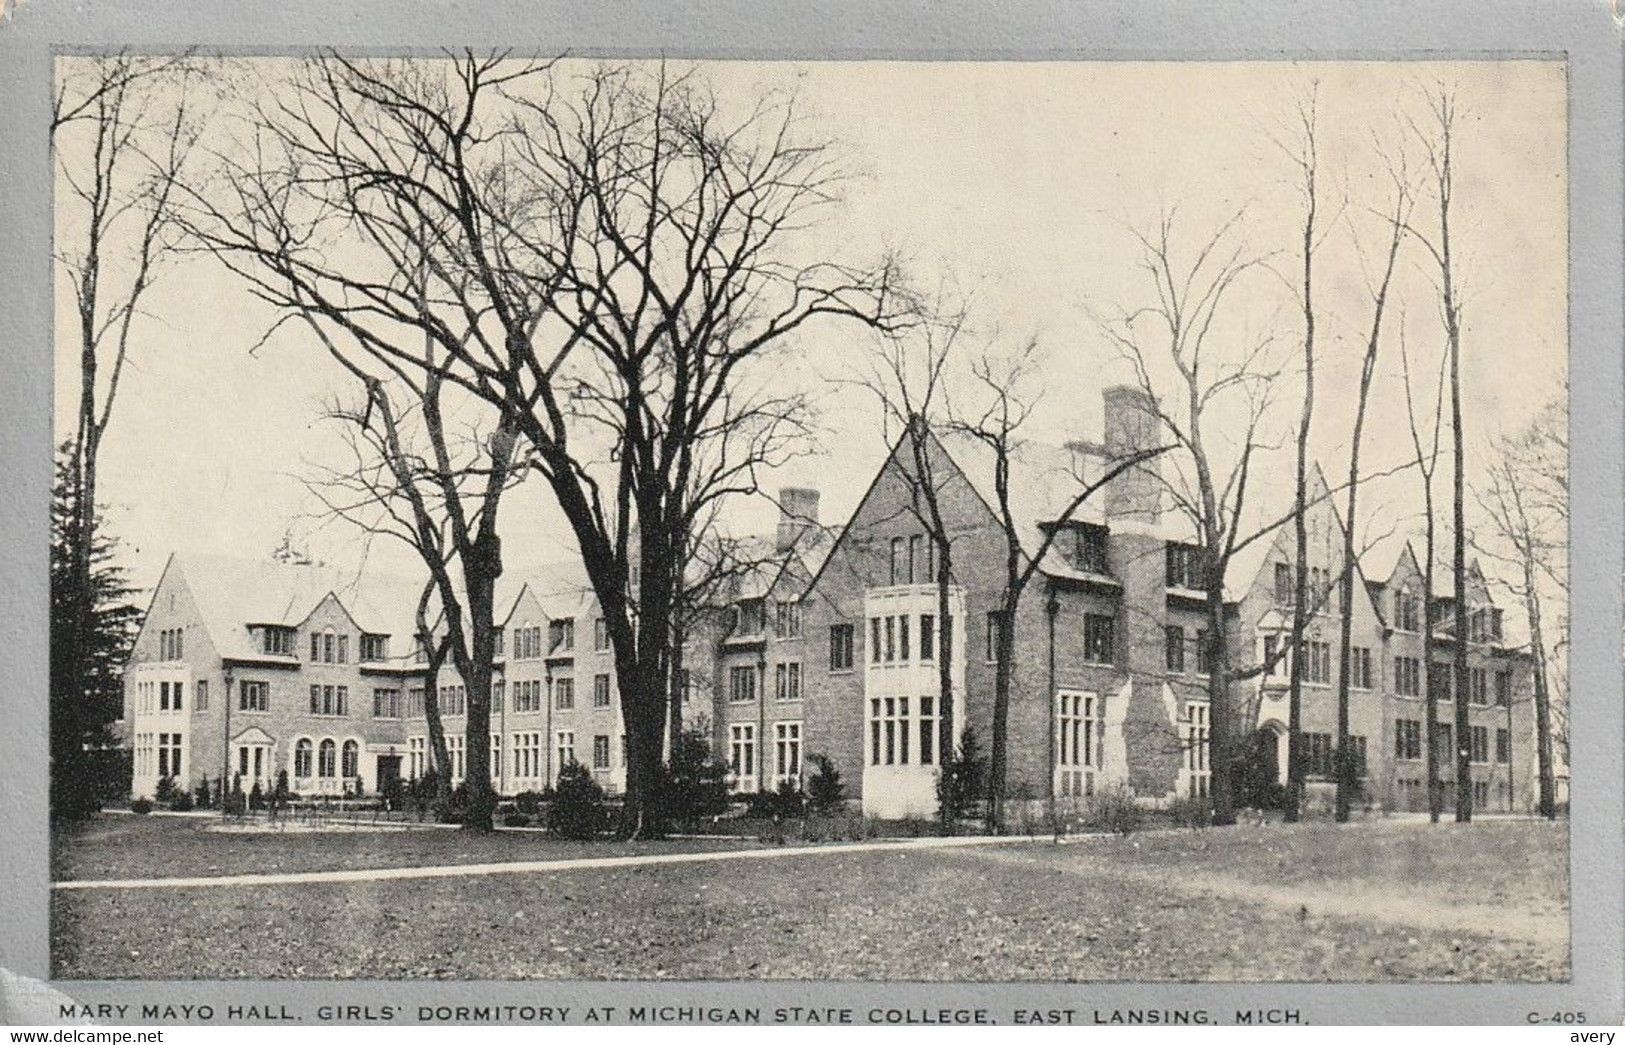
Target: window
x=1479 y=743
x=1405 y=610
x=1184 y=566
x=600 y=691
x=329 y=700
x=565 y=741
x=171 y=642
x=329 y=647
x=913 y=556
x=1317 y=754
x=897 y=560
x=277 y=642
x=742 y=753
x=455 y=752
x=928 y=730
x=495 y=762
x=1444 y=741
x=1319 y=663
x=1407 y=677
x=564 y=694
x=376 y=647
x=993 y=620
x=1195 y=730
x=1496 y=635
x=891 y=639
x=902 y=638
x=253 y=695
x=326 y=760
x=787 y=752
x=527 y=756
x=874 y=640
x=600 y=634
x=1173 y=648
x=1440 y=677
x=1503 y=746
x=563 y=635
x=386 y=703
x=889 y=723
x=1089 y=549
x=1272 y=647
x=315 y=648
x=928 y=637
x=498 y=695
x=1099 y=639
x=1407 y=739
x=344 y=649
x=600 y=752
x=840 y=647
x=169 y=755
x=351 y=766
x=1360 y=667
x=741 y=684
x=1204 y=653
x=527 y=696
x=788 y=681
x=414 y=702
x=1074 y=738
x=498 y=640
x=787 y=620
x=1285 y=593
x=1357 y=763
x=417 y=757
x=1479 y=680
x=1481 y=793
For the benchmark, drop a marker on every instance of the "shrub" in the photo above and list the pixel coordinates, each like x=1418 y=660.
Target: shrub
x=256 y=796
x=166 y=789
x=181 y=803
x=694 y=785
x=142 y=806
x=784 y=803
x=515 y=820
x=280 y=795
x=1191 y=811
x=528 y=803
x=960 y=783
x=1114 y=810
x=825 y=791
x=202 y=794
x=577 y=811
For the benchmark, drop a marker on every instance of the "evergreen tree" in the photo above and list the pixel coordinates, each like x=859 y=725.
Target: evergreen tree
x=87 y=693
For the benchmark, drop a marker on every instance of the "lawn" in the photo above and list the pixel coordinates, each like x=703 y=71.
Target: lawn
x=1376 y=901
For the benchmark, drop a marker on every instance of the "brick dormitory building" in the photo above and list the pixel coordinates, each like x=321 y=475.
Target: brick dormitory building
x=829 y=646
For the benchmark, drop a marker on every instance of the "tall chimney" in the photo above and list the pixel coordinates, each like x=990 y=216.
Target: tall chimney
x=798 y=513
x=1131 y=426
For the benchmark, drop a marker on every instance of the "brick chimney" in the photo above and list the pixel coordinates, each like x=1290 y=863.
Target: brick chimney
x=798 y=513
x=1131 y=426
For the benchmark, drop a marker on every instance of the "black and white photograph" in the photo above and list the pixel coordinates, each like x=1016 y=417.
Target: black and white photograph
x=736 y=527
x=559 y=518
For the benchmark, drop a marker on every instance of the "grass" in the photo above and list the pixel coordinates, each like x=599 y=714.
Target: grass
x=1379 y=901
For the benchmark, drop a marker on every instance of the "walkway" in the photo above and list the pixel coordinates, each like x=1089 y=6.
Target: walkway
x=535 y=866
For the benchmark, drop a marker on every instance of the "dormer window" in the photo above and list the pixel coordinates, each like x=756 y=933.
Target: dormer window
x=1089 y=548
x=1405 y=610
x=561 y=635
x=374 y=648
x=276 y=642
x=1183 y=566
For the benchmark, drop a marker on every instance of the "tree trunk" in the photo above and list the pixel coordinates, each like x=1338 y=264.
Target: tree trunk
x=1218 y=689
x=1543 y=710
x=998 y=761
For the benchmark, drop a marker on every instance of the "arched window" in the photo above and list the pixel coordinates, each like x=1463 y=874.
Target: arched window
x=325 y=762
x=352 y=760
x=301 y=758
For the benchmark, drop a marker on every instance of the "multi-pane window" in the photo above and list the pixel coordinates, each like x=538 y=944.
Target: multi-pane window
x=1317 y=753
x=889 y=722
x=327 y=759
x=891 y=639
x=1074 y=739
x=1099 y=639
x=600 y=691
x=1195 y=728
x=787 y=620
x=741 y=684
x=499 y=691
x=277 y=641
x=1503 y=688
x=200 y=695
x=928 y=637
x=928 y=730
x=1479 y=743
x=600 y=634
x=455 y=752
x=1174 y=648
x=742 y=752
x=600 y=752
x=1184 y=566
x=1479 y=679
x=564 y=694
x=1285 y=593
x=897 y=575
x=1503 y=746
x=302 y=758
x=1360 y=667
x=376 y=647
x=1407 y=739
x=253 y=695
x=787 y=752
x=1406 y=610
x=1407 y=677
x=1204 y=653
x=495 y=762
x=840 y=647
x=417 y=757
x=414 y=702
x=350 y=760
x=329 y=700
x=498 y=641
x=788 y=681
x=1089 y=549
x=565 y=742
x=172 y=644
x=169 y=755
x=903 y=634
x=527 y=696
x=386 y=703
x=344 y=649
x=913 y=556
x=875 y=647
x=527 y=755
x=453 y=700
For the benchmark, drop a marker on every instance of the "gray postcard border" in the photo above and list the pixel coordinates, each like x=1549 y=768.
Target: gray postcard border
x=1583 y=31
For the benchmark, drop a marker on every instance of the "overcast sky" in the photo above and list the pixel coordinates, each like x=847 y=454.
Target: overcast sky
x=1019 y=180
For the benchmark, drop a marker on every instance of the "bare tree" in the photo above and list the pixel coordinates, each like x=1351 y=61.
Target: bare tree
x=1527 y=509
x=1005 y=408
x=1427 y=464
x=121 y=133
x=417 y=479
x=1437 y=140
x=1396 y=217
x=612 y=261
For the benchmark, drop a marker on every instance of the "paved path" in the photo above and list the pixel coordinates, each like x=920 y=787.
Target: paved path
x=533 y=866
